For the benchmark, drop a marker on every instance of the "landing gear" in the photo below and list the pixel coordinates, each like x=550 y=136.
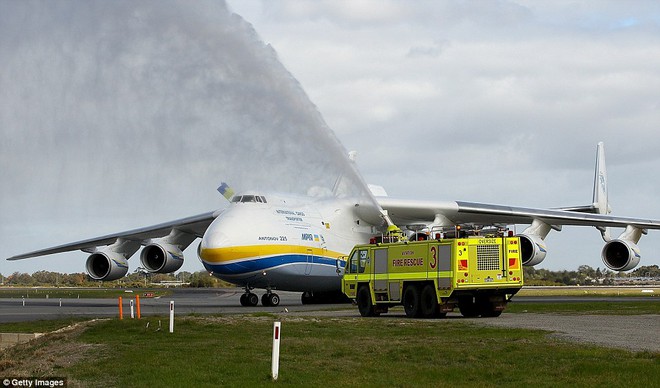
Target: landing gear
x=249 y=299
x=307 y=298
x=270 y=299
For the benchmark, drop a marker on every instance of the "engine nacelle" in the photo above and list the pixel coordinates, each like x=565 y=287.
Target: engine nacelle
x=532 y=249
x=621 y=255
x=106 y=266
x=161 y=258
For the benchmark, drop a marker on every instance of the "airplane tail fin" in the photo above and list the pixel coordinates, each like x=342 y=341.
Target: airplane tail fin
x=600 y=203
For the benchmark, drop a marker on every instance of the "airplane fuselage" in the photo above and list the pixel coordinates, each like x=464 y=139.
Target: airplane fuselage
x=290 y=244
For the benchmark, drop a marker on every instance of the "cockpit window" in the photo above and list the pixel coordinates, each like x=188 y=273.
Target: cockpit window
x=249 y=198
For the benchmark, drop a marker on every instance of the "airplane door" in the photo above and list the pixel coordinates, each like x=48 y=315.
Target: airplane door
x=310 y=261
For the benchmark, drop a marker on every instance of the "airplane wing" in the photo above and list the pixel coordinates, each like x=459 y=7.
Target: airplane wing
x=184 y=229
x=410 y=212
x=619 y=254
x=455 y=213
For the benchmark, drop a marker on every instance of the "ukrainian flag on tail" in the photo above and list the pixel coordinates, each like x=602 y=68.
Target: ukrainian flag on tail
x=226 y=191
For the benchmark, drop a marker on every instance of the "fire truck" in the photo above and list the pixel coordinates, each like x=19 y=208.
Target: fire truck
x=478 y=274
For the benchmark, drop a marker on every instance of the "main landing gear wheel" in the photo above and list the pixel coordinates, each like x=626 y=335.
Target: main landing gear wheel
x=307 y=298
x=249 y=299
x=271 y=299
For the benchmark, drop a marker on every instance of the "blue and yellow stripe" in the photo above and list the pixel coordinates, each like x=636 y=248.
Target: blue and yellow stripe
x=252 y=258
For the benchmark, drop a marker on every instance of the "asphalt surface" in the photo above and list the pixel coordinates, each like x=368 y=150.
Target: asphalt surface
x=186 y=301
x=630 y=332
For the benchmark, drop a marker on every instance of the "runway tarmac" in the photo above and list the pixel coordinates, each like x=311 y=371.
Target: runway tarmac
x=186 y=301
x=632 y=332
x=197 y=301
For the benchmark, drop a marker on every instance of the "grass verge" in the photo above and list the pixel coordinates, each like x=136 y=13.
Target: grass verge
x=38 y=326
x=587 y=307
x=236 y=351
x=591 y=291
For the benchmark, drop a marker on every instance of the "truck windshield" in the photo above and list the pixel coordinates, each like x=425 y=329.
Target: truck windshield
x=364 y=260
x=353 y=262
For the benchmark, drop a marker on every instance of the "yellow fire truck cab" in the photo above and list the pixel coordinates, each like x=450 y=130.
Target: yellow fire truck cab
x=429 y=278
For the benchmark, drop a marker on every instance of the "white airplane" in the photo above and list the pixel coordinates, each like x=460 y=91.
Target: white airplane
x=292 y=243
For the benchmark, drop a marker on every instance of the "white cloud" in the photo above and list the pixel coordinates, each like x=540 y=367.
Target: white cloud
x=488 y=101
x=514 y=96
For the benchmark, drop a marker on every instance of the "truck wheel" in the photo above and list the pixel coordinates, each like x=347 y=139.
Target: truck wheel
x=468 y=308
x=411 y=301
x=429 y=302
x=487 y=308
x=365 y=306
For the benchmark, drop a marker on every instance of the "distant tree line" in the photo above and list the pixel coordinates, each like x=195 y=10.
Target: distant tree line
x=584 y=275
x=587 y=275
x=132 y=280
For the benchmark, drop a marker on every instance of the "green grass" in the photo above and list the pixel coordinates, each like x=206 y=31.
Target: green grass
x=590 y=291
x=236 y=351
x=587 y=307
x=38 y=326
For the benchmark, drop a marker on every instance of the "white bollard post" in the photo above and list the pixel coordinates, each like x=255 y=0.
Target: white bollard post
x=60 y=302
x=23 y=301
x=132 y=314
x=277 y=326
x=171 y=316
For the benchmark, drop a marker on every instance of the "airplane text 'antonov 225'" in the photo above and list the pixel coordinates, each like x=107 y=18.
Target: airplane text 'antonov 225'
x=294 y=243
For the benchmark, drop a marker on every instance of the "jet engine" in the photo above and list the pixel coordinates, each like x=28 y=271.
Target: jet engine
x=106 y=265
x=532 y=249
x=161 y=258
x=621 y=255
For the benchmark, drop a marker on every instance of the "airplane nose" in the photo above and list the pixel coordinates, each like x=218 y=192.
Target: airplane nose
x=214 y=240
